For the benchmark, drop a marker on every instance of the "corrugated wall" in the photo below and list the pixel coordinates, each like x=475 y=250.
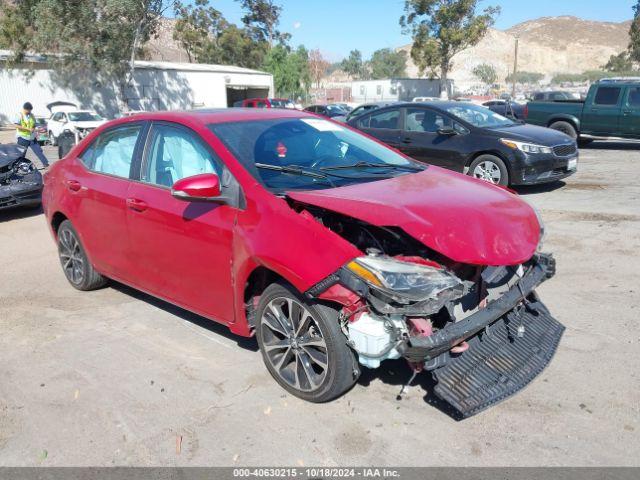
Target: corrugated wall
x=153 y=90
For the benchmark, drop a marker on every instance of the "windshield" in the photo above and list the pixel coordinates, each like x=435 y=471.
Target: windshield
x=477 y=116
x=335 y=109
x=84 y=117
x=316 y=154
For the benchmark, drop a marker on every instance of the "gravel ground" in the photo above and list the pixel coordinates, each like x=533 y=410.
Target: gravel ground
x=115 y=377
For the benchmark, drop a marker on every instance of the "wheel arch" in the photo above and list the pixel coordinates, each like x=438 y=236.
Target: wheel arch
x=575 y=122
x=56 y=220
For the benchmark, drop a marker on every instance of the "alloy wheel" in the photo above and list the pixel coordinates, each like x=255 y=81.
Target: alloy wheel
x=71 y=257
x=488 y=171
x=294 y=345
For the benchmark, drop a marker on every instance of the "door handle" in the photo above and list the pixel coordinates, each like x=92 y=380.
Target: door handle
x=406 y=140
x=626 y=112
x=594 y=110
x=73 y=185
x=136 y=205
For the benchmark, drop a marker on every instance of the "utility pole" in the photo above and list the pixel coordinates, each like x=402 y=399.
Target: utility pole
x=515 y=71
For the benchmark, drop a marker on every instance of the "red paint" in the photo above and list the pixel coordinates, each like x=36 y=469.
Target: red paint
x=199 y=255
x=281 y=149
x=420 y=327
x=206 y=185
x=465 y=219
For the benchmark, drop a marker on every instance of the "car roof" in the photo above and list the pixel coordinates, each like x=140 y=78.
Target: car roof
x=220 y=115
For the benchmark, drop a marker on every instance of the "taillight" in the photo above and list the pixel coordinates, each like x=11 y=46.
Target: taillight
x=525 y=113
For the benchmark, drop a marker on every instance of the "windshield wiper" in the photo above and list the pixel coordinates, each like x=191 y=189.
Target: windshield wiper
x=374 y=165
x=295 y=170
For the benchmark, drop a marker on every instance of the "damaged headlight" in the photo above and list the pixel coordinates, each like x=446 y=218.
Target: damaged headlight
x=410 y=281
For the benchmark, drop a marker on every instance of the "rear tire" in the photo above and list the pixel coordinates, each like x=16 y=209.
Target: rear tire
x=566 y=128
x=303 y=346
x=489 y=168
x=75 y=263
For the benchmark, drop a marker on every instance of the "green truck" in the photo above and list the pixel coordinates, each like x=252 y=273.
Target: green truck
x=611 y=109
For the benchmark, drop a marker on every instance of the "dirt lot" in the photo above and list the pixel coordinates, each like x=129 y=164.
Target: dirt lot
x=116 y=377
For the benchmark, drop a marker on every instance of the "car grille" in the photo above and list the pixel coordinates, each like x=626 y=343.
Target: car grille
x=565 y=150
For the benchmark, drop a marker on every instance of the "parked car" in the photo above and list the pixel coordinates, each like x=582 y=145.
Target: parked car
x=507 y=108
x=472 y=139
x=334 y=250
x=66 y=117
x=265 y=103
x=611 y=109
x=329 y=111
x=554 y=96
x=42 y=132
x=20 y=181
x=360 y=109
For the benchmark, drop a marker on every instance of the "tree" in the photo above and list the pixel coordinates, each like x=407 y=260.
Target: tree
x=353 y=65
x=619 y=63
x=387 y=63
x=198 y=27
x=634 y=34
x=317 y=66
x=486 y=73
x=261 y=18
x=525 y=77
x=442 y=28
x=84 y=39
x=290 y=69
x=237 y=47
x=208 y=37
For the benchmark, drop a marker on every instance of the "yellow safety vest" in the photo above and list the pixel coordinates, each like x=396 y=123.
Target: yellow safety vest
x=26 y=121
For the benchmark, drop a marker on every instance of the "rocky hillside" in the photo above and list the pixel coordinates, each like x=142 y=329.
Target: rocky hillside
x=548 y=45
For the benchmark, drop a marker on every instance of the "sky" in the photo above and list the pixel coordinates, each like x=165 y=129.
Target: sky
x=338 y=26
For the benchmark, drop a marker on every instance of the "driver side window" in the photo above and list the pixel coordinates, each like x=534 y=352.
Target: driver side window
x=175 y=153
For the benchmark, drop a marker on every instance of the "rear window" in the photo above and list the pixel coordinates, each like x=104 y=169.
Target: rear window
x=607 y=96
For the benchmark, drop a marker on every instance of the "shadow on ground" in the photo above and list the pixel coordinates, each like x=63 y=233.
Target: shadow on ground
x=542 y=188
x=612 y=145
x=20 y=213
x=397 y=373
x=213 y=327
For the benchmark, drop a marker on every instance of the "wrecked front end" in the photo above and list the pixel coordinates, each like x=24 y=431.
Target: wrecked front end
x=20 y=182
x=481 y=331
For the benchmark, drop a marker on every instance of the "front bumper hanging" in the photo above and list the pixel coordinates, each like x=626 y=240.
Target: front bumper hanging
x=510 y=342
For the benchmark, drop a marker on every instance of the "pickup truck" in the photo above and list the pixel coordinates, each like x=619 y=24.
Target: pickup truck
x=611 y=109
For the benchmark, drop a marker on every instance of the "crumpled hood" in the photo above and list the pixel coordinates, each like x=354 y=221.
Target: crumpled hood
x=465 y=219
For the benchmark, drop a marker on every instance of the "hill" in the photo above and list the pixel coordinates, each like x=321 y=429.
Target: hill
x=548 y=45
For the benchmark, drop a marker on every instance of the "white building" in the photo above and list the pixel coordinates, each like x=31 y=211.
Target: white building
x=156 y=86
x=392 y=89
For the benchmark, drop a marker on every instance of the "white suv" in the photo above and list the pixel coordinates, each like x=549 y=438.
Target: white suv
x=66 y=117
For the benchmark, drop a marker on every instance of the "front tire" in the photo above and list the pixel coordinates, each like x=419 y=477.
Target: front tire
x=75 y=263
x=302 y=345
x=53 y=141
x=490 y=169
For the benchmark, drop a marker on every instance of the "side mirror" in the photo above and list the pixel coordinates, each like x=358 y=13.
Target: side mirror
x=447 y=131
x=198 y=188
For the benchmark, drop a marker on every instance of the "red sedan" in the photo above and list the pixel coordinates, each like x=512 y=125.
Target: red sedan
x=334 y=250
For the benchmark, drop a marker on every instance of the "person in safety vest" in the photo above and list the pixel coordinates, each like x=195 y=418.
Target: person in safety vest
x=25 y=132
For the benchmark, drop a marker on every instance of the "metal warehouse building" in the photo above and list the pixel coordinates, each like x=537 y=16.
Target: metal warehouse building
x=156 y=86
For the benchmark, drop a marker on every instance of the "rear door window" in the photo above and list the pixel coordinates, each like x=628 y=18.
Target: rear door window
x=607 y=96
x=112 y=152
x=387 y=120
